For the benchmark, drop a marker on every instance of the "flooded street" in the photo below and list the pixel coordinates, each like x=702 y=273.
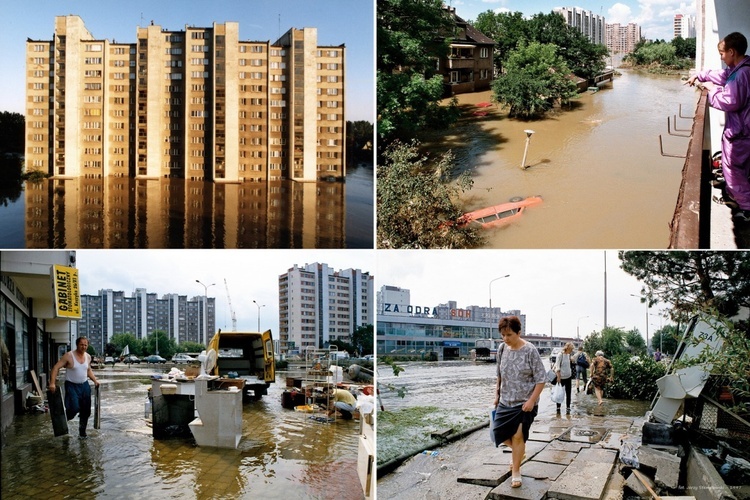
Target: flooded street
x=462 y=393
x=597 y=165
x=282 y=454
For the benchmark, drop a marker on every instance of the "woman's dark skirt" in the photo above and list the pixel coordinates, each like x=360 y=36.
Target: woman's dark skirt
x=507 y=420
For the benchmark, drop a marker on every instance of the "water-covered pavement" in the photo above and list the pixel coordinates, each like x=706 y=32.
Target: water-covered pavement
x=282 y=454
x=454 y=385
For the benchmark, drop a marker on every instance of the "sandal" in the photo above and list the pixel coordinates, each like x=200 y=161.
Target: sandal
x=515 y=482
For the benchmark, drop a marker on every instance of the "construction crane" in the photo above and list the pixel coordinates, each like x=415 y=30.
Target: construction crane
x=231 y=311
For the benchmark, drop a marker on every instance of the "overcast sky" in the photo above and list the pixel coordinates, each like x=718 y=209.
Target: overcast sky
x=349 y=22
x=250 y=275
x=538 y=281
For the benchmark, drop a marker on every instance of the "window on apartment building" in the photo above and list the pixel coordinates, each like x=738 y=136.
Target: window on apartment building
x=93 y=47
x=484 y=52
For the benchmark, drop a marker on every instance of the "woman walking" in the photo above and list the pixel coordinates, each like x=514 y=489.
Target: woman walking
x=520 y=381
x=564 y=372
x=602 y=372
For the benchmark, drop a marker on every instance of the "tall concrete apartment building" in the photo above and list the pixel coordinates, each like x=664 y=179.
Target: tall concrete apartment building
x=196 y=104
x=318 y=305
x=684 y=26
x=592 y=26
x=623 y=39
x=111 y=312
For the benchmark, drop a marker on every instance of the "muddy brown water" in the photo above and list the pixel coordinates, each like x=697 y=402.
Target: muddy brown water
x=597 y=165
x=282 y=454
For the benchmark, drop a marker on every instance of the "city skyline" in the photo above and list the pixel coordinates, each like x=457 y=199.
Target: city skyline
x=252 y=275
x=655 y=17
x=537 y=283
x=266 y=21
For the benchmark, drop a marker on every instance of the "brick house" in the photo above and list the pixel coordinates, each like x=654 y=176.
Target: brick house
x=468 y=67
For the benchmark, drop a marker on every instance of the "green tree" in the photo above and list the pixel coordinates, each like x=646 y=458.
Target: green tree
x=11 y=132
x=666 y=339
x=506 y=29
x=167 y=346
x=584 y=58
x=360 y=137
x=684 y=47
x=710 y=283
x=121 y=340
x=408 y=86
x=416 y=202
x=536 y=79
x=362 y=340
x=636 y=344
x=692 y=282
x=190 y=346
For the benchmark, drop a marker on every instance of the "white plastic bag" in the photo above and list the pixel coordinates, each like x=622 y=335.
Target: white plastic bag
x=558 y=394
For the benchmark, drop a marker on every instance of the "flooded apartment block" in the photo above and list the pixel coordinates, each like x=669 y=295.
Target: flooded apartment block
x=196 y=104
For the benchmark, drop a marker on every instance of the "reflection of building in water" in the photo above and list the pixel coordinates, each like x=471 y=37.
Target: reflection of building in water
x=194 y=104
x=121 y=212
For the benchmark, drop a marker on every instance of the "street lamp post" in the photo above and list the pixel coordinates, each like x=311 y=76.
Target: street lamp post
x=526 y=149
x=259 y=306
x=550 y=320
x=578 y=327
x=647 y=308
x=205 y=307
x=490 y=287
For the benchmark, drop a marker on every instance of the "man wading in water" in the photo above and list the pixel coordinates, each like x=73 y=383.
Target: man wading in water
x=78 y=370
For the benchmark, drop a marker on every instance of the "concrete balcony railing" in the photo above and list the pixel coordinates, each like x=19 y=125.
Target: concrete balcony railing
x=690 y=226
x=461 y=63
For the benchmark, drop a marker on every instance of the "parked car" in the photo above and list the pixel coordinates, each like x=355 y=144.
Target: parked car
x=109 y=360
x=154 y=358
x=182 y=358
x=369 y=357
x=131 y=359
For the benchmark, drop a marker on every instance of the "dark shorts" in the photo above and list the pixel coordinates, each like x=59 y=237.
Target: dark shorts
x=507 y=420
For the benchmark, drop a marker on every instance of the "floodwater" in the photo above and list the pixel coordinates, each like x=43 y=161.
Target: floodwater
x=598 y=165
x=181 y=213
x=463 y=389
x=282 y=454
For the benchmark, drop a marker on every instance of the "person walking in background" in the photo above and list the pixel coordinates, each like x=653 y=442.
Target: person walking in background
x=564 y=370
x=729 y=91
x=78 y=370
x=657 y=355
x=582 y=368
x=602 y=372
x=520 y=381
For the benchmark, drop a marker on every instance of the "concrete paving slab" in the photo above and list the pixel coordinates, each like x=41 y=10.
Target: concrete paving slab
x=637 y=487
x=581 y=480
x=584 y=434
x=542 y=470
x=531 y=489
x=487 y=475
x=568 y=446
x=553 y=456
x=597 y=455
x=667 y=466
x=612 y=439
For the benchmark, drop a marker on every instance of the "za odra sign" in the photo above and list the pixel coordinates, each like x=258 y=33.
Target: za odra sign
x=67 y=292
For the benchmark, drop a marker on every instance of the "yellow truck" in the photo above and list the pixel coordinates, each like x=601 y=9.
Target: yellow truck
x=246 y=355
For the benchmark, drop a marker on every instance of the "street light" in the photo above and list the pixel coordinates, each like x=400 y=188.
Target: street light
x=647 y=308
x=550 y=319
x=526 y=149
x=578 y=327
x=205 y=307
x=490 y=287
x=259 y=306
